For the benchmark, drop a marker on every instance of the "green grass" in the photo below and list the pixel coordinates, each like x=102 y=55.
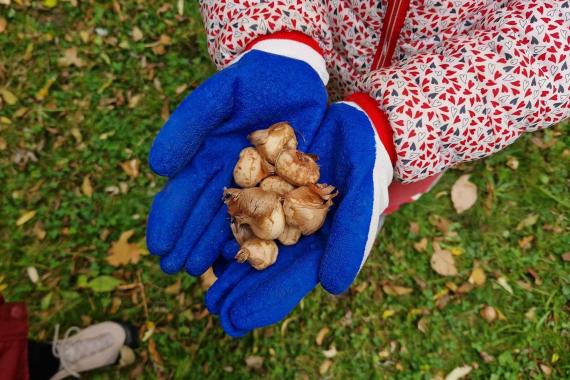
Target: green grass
x=85 y=127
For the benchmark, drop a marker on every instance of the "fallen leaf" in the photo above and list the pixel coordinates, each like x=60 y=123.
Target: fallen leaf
x=135 y=100
x=254 y=362
x=174 y=288
x=50 y=3
x=137 y=34
x=70 y=58
x=396 y=290
x=465 y=288
x=33 y=274
x=330 y=353
x=459 y=373
x=443 y=263
x=546 y=370
x=103 y=284
x=132 y=167
x=154 y=352
x=566 y=256
x=423 y=324
x=8 y=96
x=486 y=357
x=456 y=251
x=414 y=228
x=421 y=245
x=165 y=111
x=207 y=279
x=502 y=281
x=488 y=313
x=477 y=277
x=44 y=91
x=463 y=194
x=122 y=252
x=321 y=335
x=513 y=163
x=25 y=217
x=86 y=187
x=529 y=221
x=3 y=144
x=325 y=366
x=3 y=24
x=388 y=313
x=526 y=242
x=531 y=314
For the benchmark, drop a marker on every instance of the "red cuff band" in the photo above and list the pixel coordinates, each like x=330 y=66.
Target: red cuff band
x=379 y=120
x=288 y=35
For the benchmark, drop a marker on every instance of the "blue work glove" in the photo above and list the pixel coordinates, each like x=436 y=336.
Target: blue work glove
x=200 y=144
x=352 y=158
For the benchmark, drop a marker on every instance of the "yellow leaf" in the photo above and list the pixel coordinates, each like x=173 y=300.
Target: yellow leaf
x=321 y=335
x=502 y=281
x=86 y=187
x=132 y=167
x=388 y=313
x=122 y=252
x=44 y=91
x=50 y=3
x=396 y=290
x=8 y=96
x=456 y=251
x=26 y=217
x=477 y=277
x=555 y=358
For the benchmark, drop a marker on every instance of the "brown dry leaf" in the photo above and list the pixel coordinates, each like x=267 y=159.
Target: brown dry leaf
x=3 y=144
x=486 y=357
x=331 y=352
x=423 y=324
x=465 y=288
x=325 y=366
x=396 y=290
x=174 y=288
x=154 y=352
x=132 y=167
x=513 y=163
x=477 y=277
x=86 y=187
x=414 y=228
x=546 y=370
x=137 y=34
x=321 y=335
x=25 y=217
x=3 y=24
x=165 y=111
x=526 y=242
x=442 y=262
x=70 y=58
x=254 y=362
x=135 y=100
x=122 y=252
x=207 y=279
x=421 y=245
x=566 y=256
x=463 y=194
x=39 y=231
x=8 y=96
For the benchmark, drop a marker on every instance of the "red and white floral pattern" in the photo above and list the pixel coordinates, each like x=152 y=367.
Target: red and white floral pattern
x=467 y=79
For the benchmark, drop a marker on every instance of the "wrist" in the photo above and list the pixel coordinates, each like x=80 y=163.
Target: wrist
x=293 y=45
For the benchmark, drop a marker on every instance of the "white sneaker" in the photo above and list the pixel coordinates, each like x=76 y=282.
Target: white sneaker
x=94 y=347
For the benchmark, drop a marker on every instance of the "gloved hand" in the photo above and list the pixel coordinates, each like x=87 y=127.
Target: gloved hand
x=352 y=158
x=200 y=144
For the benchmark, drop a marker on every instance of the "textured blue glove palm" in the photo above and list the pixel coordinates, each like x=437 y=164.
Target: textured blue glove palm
x=200 y=144
x=353 y=159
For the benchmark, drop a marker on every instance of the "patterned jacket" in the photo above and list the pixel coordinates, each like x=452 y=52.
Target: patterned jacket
x=456 y=80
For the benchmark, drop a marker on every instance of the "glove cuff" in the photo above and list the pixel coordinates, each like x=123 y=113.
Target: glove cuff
x=293 y=45
x=378 y=119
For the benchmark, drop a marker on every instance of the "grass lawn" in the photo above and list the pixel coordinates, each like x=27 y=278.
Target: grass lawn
x=86 y=85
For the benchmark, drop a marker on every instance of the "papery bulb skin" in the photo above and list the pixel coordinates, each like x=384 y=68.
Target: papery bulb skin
x=297 y=168
x=271 y=141
x=258 y=253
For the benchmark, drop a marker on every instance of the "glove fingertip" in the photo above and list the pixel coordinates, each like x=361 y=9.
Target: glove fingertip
x=195 y=266
x=170 y=264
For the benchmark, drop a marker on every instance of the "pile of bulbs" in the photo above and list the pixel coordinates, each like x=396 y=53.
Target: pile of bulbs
x=280 y=198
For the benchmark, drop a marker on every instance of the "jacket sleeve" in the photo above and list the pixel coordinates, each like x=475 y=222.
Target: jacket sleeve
x=474 y=94
x=233 y=25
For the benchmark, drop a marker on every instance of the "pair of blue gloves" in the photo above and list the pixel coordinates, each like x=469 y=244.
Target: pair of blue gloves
x=188 y=225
